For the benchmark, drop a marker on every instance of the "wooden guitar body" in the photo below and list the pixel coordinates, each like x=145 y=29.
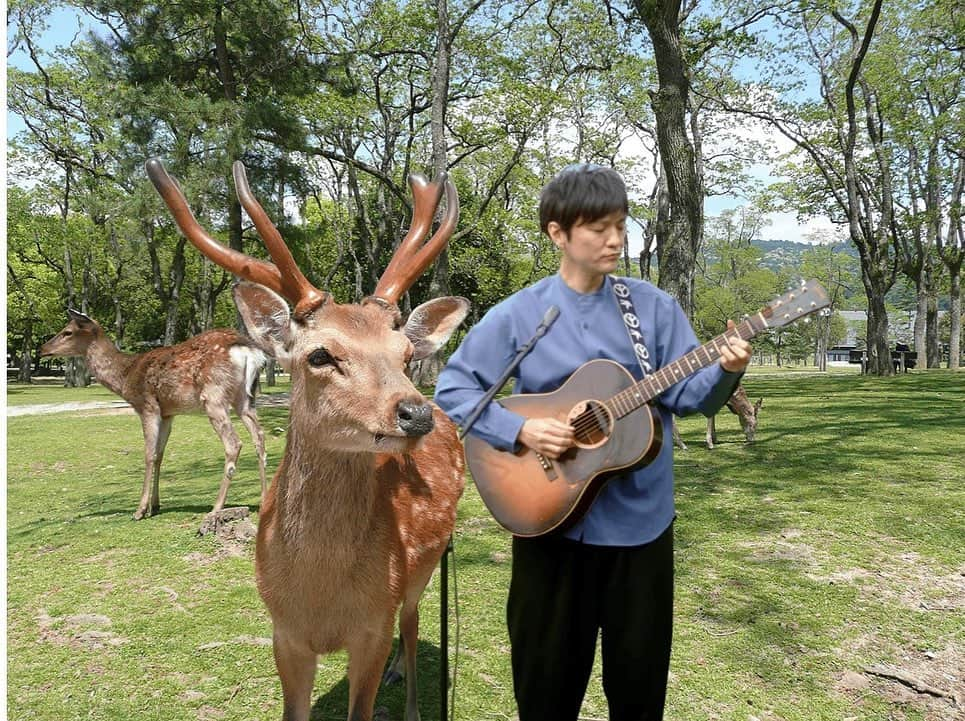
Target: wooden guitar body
x=531 y=495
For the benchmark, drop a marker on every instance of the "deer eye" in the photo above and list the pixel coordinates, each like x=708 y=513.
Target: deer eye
x=320 y=357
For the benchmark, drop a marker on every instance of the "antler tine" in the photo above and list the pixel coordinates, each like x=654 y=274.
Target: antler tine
x=295 y=286
x=412 y=257
x=231 y=260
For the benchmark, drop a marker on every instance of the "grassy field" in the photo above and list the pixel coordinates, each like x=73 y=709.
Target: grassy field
x=834 y=545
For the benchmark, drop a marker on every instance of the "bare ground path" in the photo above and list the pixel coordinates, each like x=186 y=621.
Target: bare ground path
x=271 y=400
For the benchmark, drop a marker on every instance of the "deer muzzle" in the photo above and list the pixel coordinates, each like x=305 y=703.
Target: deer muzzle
x=414 y=419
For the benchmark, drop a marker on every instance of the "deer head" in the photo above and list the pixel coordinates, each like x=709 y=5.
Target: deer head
x=748 y=419
x=349 y=387
x=74 y=340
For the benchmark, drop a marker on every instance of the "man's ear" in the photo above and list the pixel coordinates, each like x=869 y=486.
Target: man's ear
x=430 y=325
x=267 y=318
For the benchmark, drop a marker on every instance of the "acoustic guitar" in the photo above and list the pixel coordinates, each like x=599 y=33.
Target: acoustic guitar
x=614 y=426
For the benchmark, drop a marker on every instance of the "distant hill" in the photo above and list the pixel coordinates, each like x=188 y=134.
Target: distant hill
x=784 y=254
x=778 y=254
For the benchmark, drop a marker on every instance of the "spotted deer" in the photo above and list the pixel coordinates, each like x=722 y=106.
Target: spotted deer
x=740 y=405
x=213 y=372
x=364 y=500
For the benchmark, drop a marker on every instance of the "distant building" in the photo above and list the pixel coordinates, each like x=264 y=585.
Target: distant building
x=901 y=329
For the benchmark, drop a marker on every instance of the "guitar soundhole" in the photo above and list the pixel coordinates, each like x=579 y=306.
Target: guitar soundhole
x=591 y=422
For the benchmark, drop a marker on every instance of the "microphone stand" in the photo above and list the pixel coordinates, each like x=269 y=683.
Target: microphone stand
x=548 y=319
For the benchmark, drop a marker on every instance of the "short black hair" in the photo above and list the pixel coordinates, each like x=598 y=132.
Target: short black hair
x=581 y=192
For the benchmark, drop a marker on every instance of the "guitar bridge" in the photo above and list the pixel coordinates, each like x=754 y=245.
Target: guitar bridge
x=547 y=465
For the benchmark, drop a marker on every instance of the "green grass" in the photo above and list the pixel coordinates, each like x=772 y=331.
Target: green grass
x=834 y=543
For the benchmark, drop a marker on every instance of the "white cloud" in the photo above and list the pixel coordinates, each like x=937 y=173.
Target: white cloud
x=785 y=226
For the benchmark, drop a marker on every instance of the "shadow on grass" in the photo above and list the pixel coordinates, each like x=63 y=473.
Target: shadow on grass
x=333 y=704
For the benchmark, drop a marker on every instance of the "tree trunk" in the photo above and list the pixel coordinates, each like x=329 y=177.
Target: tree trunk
x=426 y=372
x=921 y=311
x=24 y=372
x=821 y=352
x=879 y=354
x=175 y=281
x=955 y=337
x=679 y=237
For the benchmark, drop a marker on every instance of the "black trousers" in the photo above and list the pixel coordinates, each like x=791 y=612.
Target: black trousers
x=561 y=595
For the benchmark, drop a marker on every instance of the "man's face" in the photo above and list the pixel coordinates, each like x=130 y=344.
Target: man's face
x=594 y=247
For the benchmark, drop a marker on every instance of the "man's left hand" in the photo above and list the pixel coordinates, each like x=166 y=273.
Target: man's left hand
x=735 y=356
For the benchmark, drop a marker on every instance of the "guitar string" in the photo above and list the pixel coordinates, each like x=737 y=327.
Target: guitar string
x=586 y=421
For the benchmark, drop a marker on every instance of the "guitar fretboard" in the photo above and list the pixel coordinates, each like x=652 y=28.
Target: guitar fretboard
x=641 y=392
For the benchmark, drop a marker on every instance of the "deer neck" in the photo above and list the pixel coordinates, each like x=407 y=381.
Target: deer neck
x=109 y=365
x=322 y=493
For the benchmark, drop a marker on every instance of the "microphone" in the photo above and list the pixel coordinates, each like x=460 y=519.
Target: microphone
x=549 y=317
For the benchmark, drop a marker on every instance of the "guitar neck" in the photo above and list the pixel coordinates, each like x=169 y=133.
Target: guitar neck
x=642 y=392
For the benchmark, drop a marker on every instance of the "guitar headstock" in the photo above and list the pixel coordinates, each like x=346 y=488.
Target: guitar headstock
x=795 y=304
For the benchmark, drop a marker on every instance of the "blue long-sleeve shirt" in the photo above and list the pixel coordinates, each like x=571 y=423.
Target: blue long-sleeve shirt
x=634 y=507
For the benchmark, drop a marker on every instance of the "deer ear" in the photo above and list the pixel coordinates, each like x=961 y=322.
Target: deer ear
x=78 y=317
x=430 y=325
x=267 y=318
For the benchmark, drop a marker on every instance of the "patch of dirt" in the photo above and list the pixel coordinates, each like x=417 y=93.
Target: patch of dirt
x=942 y=671
x=210 y=713
x=784 y=548
x=241 y=640
x=903 y=577
x=81 y=631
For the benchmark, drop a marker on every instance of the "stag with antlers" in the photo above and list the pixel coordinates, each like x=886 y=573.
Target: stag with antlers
x=212 y=372
x=364 y=501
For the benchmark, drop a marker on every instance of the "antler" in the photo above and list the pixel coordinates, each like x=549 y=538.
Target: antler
x=284 y=278
x=411 y=258
x=305 y=296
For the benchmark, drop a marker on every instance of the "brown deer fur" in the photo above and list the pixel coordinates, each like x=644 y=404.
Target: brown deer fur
x=211 y=372
x=359 y=513
x=740 y=405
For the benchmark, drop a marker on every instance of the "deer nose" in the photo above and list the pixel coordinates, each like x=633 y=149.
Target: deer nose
x=415 y=419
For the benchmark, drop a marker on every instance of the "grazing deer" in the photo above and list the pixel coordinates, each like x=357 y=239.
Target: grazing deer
x=740 y=405
x=364 y=501
x=211 y=372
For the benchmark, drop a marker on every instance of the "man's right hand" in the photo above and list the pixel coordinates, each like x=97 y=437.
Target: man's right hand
x=547 y=436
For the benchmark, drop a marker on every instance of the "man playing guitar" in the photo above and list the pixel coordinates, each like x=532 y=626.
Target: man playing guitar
x=612 y=568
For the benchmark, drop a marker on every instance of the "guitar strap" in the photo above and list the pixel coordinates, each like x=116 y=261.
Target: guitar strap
x=621 y=290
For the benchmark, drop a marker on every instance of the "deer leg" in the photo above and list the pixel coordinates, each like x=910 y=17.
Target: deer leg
x=221 y=423
x=296 y=669
x=396 y=672
x=711 y=432
x=407 y=651
x=366 y=656
x=250 y=419
x=164 y=432
x=151 y=425
x=409 y=645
